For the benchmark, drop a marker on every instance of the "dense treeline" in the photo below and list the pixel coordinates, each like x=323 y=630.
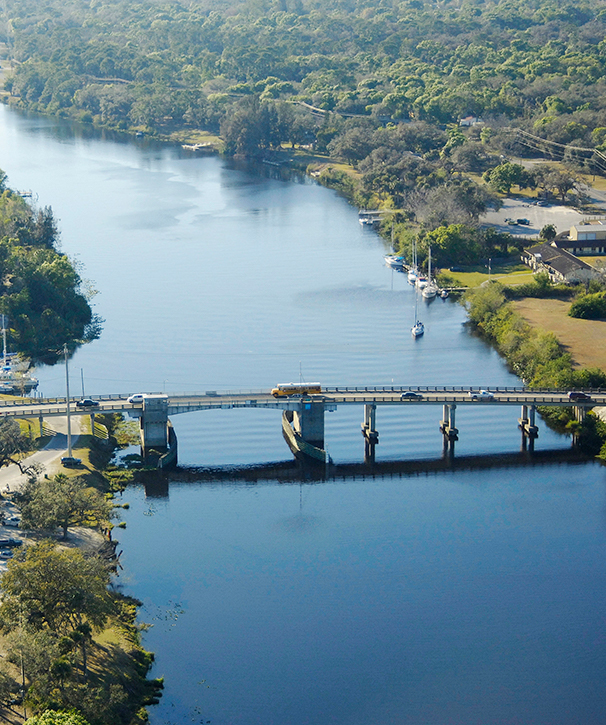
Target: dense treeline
x=379 y=85
x=148 y=64
x=40 y=290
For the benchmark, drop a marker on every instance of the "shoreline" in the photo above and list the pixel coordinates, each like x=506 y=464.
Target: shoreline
x=117 y=649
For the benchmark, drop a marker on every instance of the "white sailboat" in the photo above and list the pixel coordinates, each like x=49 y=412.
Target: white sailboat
x=14 y=378
x=430 y=289
x=412 y=271
x=418 y=328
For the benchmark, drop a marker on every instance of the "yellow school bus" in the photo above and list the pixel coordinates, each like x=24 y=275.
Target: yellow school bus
x=285 y=389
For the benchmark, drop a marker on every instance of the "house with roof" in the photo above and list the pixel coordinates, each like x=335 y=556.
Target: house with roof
x=559 y=264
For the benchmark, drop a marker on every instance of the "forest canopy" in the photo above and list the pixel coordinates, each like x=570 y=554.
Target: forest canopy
x=539 y=63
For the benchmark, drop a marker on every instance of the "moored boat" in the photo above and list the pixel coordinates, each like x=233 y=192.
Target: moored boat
x=394 y=261
x=430 y=289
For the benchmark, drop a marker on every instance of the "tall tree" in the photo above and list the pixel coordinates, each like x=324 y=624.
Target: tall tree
x=62 y=501
x=48 y=588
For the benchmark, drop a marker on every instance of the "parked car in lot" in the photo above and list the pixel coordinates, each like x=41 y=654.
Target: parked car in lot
x=524 y=222
x=481 y=395
x=71 y=462
x=577 y=395
x=87 y=403
x=11 y=521
x=10 y=543
x=411 y=395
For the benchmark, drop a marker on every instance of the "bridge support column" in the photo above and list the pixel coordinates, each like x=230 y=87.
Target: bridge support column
x=527 y=424
x=369 y=430
x=154 y=427
x=580 y=411
x=41 y=424
x=308 y=422
x=448 y=427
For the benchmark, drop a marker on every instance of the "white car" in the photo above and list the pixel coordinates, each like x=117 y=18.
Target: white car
x=481 y=395
x=136 y=398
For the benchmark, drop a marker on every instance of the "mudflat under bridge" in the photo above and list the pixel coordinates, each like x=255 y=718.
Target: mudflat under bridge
x=303 y=416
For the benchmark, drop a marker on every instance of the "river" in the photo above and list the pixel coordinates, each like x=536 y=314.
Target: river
x=462 y=596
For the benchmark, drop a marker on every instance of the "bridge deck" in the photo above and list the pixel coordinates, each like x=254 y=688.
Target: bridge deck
x=332 y=397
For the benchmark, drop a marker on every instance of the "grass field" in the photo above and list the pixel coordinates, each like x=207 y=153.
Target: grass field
x=585 y=340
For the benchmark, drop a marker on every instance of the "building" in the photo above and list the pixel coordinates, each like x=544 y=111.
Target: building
x=560 y=265
x=587 y=238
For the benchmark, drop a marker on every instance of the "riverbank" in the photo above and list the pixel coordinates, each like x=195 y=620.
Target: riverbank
x=117 y=664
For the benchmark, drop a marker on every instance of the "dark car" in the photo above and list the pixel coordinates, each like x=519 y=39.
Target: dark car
x=577 y=395
x=410 y=395
x=524 y=222
x=87 y=403
x=70 y=462
x=10 y=543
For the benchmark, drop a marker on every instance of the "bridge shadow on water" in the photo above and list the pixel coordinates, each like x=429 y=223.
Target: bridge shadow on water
x=157 y=483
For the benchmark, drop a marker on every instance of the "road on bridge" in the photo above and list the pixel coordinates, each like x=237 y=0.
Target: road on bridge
x=34 y=408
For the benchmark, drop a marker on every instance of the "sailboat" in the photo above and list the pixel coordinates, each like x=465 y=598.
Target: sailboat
x=412 y=271
x=394 y=261
x=14 y=378
x=418 y=328
x=430 y=290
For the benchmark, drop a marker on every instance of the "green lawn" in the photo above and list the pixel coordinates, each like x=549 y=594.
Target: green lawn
x=508 y=275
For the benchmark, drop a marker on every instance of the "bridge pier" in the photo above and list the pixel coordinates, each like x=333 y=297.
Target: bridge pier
x=530 y=431
x=156 y=431
x=369 y=430
x=308 y=421
x=448 y=428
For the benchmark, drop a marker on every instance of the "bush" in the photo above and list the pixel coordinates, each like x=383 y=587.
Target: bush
x=589 y=307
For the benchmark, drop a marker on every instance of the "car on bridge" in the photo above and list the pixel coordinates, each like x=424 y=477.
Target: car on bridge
x=578 y=395
x=87 y=403
x=481 y=395
x=411 y=395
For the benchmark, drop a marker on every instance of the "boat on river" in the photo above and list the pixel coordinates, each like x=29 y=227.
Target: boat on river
x=14 y=376
x=394 y=261
x=430 y=289
x=418 y=328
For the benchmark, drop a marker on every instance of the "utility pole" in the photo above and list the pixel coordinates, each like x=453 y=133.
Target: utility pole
x=69 y=427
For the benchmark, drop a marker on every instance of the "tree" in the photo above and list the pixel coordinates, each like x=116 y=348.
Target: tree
x=548 y=232
x=64 y=502
x=54 y=717
x=13 y=445
x=46 y=588
x=506 y=175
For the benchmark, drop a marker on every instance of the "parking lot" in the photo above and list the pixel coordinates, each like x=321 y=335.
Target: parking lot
x=562 y=217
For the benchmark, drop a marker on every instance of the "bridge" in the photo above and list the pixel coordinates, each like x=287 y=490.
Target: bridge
x=303 y=416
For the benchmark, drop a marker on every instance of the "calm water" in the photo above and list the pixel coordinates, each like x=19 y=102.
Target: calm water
x=461 y=597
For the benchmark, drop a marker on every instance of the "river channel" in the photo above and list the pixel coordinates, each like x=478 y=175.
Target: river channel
x=472 y=595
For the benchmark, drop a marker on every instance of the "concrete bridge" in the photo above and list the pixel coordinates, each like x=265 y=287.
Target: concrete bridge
x=303 y=416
